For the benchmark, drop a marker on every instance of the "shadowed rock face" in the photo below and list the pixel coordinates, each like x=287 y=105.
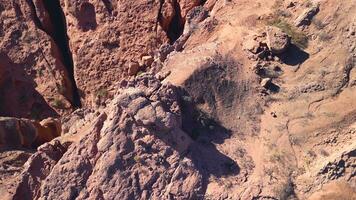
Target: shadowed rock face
x=24 y=133
x=32 y=72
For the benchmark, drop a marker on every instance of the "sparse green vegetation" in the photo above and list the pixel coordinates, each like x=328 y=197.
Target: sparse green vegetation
x=283 y=13
x=298 y=38
x=318 y=24
x=295 y=140
x=324 y=37
x=58 y=103
x=137 y=159
x=28 y=37
x=39 y=72
x=312 y=154
x=61 y=89
x=324 y=153
x=102 y=93
x=276 y=156
x=139 y=73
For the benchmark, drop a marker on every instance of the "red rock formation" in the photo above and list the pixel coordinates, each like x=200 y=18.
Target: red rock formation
x=105 y=36
x=131 y=151
x=33 y=75
x=186 y=5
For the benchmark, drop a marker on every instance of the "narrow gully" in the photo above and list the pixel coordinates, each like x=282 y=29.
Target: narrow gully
x=60 y=37
x=176 y=27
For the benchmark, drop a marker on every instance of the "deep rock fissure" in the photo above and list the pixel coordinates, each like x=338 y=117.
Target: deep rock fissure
x=60 y=37
x=176 y=27
x=37 y=21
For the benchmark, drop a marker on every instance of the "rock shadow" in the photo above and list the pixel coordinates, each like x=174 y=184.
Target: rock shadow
x=273 y=87
x=87 y=17
x=294 y=56
x=18 y=95
x=206 y=132
x=108 y=5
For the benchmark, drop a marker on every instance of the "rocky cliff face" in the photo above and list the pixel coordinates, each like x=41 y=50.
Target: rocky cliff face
x=34 y=79
x=176 y=99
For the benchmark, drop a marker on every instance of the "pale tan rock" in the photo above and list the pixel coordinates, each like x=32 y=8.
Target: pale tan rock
x=251 y=45
x=266 y=82
x=146 y=61
x=277 y=40
x=307 y=15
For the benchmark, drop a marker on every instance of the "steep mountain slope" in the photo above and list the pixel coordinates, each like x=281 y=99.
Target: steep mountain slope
x=226 y=100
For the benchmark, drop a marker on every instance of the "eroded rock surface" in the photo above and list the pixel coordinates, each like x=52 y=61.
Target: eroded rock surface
x=277 y=40
x=275 y=121
x=33 y=75
x=135 y=149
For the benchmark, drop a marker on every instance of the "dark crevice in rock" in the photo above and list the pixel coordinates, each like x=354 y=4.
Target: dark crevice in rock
x=176 y=27
x=36 y=20
x=60 y=37
x=159 y=15
x=108 y=6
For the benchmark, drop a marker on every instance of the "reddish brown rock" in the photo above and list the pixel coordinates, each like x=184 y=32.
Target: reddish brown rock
x=32 y=72
x=130 y=151
x=104 y=35
x=187 y=5
x=168 y=11
x=277 y=40
x=133 y=68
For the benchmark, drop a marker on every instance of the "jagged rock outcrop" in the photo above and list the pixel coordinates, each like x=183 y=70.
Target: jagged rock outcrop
x=106 y=37
x=135 y=149
x=186 y=5
x=253 y=124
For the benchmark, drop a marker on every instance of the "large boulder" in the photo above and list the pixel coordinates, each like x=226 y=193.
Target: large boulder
x=186 y=5
x=277 y=40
